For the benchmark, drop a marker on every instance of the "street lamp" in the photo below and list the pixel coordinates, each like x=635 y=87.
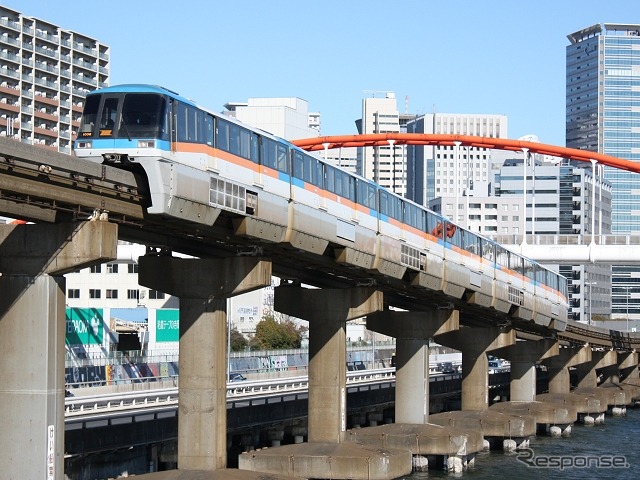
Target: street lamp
x=590 y=299
x=627 y=289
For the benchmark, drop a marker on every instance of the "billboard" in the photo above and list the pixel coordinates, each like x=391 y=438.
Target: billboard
x=167 y=325
x=85 y=326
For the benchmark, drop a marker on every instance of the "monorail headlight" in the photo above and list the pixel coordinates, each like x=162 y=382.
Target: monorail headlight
x=83 y=144
x=146 y=144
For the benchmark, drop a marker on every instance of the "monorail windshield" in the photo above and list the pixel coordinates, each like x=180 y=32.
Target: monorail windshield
x=129 y=115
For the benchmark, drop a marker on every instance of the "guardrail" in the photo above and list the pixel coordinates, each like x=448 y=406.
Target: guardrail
x=88 y=407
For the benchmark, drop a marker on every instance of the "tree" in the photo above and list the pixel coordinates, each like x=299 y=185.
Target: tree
x=238 y=341
x=274 y=334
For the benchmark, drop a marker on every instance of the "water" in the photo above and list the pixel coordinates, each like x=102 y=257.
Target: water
x=618 y=440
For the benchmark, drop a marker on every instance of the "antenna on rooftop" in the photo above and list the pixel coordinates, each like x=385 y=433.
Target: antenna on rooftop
x=373 y=93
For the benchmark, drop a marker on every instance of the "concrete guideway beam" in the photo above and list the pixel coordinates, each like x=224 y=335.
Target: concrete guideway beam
x=524 y=356
x=203 y=286
x=413 y=331
x=474 y=343
x=558 y=367
x=32 y=261
x=203 y=278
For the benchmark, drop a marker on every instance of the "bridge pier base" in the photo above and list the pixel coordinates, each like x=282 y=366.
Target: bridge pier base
x=33 y=259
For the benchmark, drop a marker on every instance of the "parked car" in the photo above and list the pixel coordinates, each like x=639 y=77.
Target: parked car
x=447 y=367
x=495 y=366
x=236 y=377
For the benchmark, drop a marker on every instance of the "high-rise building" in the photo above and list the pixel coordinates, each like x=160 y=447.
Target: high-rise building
x=385 y=164
x=603 y=115
x=438 y=171
x=45 y=74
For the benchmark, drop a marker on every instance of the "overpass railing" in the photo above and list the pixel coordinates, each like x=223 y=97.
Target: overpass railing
x=549 y=239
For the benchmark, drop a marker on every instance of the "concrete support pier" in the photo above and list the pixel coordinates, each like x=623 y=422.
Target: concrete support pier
x=524 y=356
x=203 y=286
x=327 y=454
x=558 y=367
x=412 y=430
x=474 y=343
x=33 y=259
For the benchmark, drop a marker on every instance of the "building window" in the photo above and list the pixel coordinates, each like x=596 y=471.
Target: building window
x=516 y=207
x=112 y=268
x=155 y=295
x=111 y=293
x=96 y=269
x=73 y=293
x=133 y=294
x=132 y=267
x=94 y=293
x=516 y=218
x=505 y=218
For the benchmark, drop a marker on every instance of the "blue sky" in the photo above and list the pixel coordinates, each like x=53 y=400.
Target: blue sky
x=492 y=57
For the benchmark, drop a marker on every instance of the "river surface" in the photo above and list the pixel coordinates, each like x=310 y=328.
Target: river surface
x=609 y=451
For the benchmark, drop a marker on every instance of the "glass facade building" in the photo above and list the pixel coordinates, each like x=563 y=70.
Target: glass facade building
x=603 y=115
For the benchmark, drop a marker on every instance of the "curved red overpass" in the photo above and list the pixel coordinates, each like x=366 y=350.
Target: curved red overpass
x=382 y=139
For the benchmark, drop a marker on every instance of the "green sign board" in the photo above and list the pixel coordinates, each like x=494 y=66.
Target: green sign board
x=167 y=325
x=85 y=326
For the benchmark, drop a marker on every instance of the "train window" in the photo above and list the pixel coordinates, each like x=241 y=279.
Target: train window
x=181 y=122
x=254 y=148
x=234 y=139
x=330 y=181
x=245 y=143
x=108 y=117
x=208 y=130
x=390 y=205
x=144 y=115
x=222 y=135
x=269 y=152
x=502 y=256
x=366 y=194
x=529 y=269
x=348 y=186
x=488 y=250
x=89 y=115
x=517 y=264
x=298 y=165
x=282 y=158
x=319 y=175
x=432 y=222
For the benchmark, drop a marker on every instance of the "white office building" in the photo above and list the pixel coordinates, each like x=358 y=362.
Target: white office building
x=45 y=74
x=453 y=171
x=288 y=118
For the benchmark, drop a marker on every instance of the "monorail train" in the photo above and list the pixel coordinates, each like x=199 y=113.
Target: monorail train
x=199 y=164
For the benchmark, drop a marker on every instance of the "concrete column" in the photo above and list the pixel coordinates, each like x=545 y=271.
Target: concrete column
x=474 y=343
x=203 y=286
x=558 y=367
x=629 y=367
x=587 y=375
x=524 y=356
x=412 y=331
x=33 y=259
x=327 y=311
